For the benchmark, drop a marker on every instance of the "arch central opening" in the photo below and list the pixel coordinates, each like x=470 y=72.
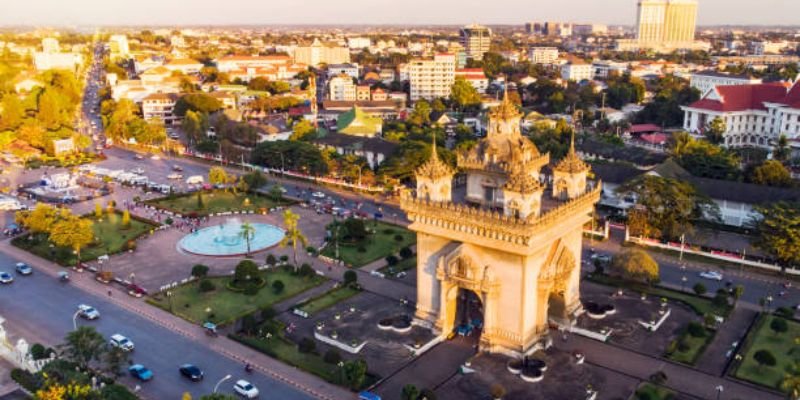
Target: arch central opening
x=469 y=317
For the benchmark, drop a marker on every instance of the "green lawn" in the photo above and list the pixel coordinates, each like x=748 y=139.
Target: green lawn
x=700 y=305
x=781 y=345
x=216 y=201
x=328 y=299
x=375 y=246
x=226 y=305
x=110 y=238
x=696 y=345
x=280 y=347
x=403 y=265
x=650 y=391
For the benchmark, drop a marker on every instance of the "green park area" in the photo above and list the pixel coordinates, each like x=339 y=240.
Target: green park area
x=360 y=242
x=328 y=299
x=113 y=233
x=216 y=201
x=771 y=351
x=690 y=344
x=224 y=299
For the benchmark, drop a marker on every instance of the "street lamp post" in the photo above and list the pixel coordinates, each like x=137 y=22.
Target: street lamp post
x=683 y=240
x=75 y=320
x=225 y=378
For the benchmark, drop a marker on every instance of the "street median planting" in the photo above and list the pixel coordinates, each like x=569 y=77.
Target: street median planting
x=328 y=299
x=206 y=202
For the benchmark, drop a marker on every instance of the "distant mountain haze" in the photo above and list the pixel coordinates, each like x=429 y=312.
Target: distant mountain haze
x=410 y=12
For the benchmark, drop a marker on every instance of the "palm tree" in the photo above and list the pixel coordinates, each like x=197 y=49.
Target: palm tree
x=293 y=233
x=246 y=232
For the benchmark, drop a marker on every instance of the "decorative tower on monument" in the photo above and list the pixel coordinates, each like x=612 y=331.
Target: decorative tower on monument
x=434 y=178
x=569 y=175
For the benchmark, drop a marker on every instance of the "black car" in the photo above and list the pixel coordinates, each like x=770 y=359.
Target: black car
x=192 y=372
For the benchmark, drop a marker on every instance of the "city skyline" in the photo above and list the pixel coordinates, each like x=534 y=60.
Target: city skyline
x=251 y=12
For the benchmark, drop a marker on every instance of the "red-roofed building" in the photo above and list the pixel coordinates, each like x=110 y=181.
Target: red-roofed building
x=476 y=77
x=754 y=115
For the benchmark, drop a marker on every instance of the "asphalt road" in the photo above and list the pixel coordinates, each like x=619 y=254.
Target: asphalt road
x=40 y=308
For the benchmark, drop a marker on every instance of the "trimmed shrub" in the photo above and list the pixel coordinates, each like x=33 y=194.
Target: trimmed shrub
x=398 y=238
x=392 y=260
x=699 y=289
x=38 y=351
x=207 y=286
x=271 y=260
x=306 y=270
x=268 y=313
x=406 y=252
x=350 y=276
x=277 y=286
x=696 y=330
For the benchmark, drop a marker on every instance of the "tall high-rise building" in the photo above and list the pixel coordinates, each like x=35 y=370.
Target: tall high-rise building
x=476 y=40
x=666 y=21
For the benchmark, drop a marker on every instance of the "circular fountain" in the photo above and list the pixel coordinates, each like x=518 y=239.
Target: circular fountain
x=227 y=239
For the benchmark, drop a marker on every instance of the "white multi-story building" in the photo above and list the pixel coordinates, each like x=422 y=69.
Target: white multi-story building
x=348 y=69
x=476 y=77
x=707 y=80
x=160 y=106
x=69 y=61
x=342 y=88
x=234 y=63
x=359 y=42
x=430 y=79
x=603 y=68
x=318 y=53
x=577 y=71
x=754 y=115
x=761 y=48
x=543 y=55
x=185 y=65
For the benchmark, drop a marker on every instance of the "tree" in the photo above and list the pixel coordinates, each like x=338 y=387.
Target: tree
x=635 y=264
x=255 y=179
x=199 y=271
x=247 y=232
x=764 y=357
x=421 y=114
x=114 y=359
x=779 y=325
x=350 y=276
x=198 y=102
x=669 y=205
x=277 y=286
x=772 y=173
x=194 y=124
x=715 y=130
x=699 y=289
x=738 y=291
x=410 y=392
x=463 y=94
x=126 y=219
x=39 y=220
x=246 y=271
x=84 y=345
x=290 y=155
x=782 y=150
x=73 y=232
x=293 y=234
x=791 y=381
x=217 y=176
x=354 y=373
x=354 y=229
x=704 y=159
x=302 y=130
x=13 y=113
x=779 y=231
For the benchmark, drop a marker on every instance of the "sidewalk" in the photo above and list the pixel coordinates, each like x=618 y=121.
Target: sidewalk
x=713 y=359
x=271 y=367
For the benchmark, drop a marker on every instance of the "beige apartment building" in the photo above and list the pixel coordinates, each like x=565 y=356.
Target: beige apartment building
x=476 y=40
x=319 y=53
x=430 y=79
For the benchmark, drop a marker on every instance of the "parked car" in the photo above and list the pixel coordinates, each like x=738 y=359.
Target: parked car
x=318 y=195
x=175 y=176
x=6 y=278
x=88 y=312
x=192 y=372
x=245 y=389
x=138 y=170
x=155 y=157
x=121 y=342
x=23 y=269
x=140 y=372
x=177 y=168
x=713 y=275
x=138 y=157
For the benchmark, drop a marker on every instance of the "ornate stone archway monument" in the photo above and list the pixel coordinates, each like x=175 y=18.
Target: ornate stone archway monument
x=517 y=245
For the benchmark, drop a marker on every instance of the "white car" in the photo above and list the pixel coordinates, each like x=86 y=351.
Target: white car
x=138 y=170
x=6 y=278
x=121 y=342
x=155 y=157
x=88 y=312
x=713 y=275
x=318 y=194
x=175 y=176
x=245 y=389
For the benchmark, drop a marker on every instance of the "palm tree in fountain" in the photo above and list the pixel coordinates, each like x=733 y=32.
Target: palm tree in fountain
x=247 y=231
x=293 y=233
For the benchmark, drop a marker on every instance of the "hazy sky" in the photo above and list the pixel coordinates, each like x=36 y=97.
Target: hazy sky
x=176 y=12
